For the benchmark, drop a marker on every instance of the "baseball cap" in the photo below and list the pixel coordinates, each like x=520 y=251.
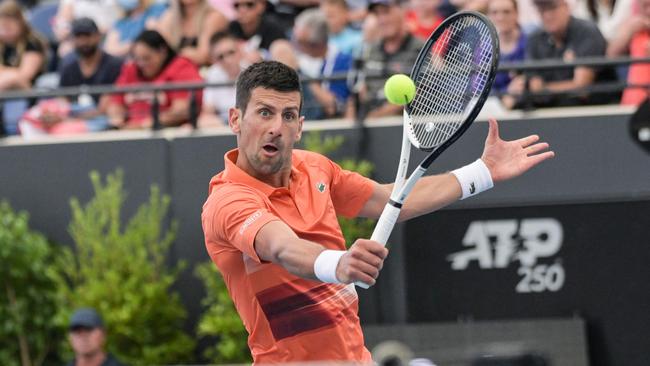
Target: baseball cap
x=86 y=318
x=84 y=26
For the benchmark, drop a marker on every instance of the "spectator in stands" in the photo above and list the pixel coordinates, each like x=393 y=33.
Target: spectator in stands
x=89 y=65
x=317 y=59
x=256 y=30
x=188 y=25
x=227 y=63
x=567 y=38
x=137 y=15
x=423 y=17
x=634 y=38
x=395 y=52
x=357 y=12
x=22 y=60
x=342 y=35
x=87 y=337
x=512 y=40
x=153 y=61
x=103 y=12
x=610 y=15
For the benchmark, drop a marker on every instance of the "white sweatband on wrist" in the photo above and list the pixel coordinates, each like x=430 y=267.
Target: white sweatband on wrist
x=474 y=178
x=325 y=265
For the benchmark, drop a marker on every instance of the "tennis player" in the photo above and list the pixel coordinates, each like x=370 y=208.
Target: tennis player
x=270 y=222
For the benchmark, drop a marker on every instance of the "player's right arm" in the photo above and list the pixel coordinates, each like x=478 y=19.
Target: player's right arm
x=276 y=242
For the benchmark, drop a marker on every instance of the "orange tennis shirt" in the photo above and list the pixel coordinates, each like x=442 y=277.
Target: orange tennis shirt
x=288 y=318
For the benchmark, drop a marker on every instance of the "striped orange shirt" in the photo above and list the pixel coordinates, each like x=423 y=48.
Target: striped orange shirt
x=288 y=318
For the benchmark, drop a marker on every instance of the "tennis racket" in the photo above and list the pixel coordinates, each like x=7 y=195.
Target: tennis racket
x=453 y=75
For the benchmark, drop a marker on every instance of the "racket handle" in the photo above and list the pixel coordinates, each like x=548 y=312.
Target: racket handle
x=383 y=229
x=385 y=224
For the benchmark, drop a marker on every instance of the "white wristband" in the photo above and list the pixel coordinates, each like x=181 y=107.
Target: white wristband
x=325 y=265
x=474 y=178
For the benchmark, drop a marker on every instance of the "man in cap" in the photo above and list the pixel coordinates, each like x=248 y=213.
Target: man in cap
x=564 y=37
x=89 y=65
x=87 y=337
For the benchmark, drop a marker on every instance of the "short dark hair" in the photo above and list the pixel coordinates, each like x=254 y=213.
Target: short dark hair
x=219 y=36
x=268 y=75
x=156 y=41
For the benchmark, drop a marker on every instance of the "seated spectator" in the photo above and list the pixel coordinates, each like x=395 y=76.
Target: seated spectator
x=87 y=336
x=342 y=35
x=22 y=60
x=512 y=40
x=394 y=53
x=153 y=61
x=423 y=17
x=228 y=62
x=634 y=38
x=610 y=15
x=187 y=25
x=137 y=15
x=256 y=30
x=317 y=59
x=567 y=38
x=89 y=65
x=103 y=12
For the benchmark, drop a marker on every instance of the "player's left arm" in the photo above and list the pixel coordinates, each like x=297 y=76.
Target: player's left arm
x=504 y=160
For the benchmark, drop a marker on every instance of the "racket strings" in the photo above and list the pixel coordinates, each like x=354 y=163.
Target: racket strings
x=450 y=81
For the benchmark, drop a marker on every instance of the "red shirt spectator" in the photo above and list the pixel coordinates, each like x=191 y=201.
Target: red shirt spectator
x=154 y=62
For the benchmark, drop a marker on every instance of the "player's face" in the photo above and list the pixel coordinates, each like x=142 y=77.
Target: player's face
x=267 y=132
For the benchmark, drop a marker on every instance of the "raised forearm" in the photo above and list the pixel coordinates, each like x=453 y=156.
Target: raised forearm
x=430 y=194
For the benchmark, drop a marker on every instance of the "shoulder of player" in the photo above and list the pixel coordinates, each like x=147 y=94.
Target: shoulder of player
x=310 y=158
x=223 y=193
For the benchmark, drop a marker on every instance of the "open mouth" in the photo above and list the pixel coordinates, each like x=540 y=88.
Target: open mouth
x=270 y=148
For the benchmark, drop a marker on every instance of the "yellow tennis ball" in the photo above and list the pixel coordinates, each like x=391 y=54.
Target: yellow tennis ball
x=399 y=89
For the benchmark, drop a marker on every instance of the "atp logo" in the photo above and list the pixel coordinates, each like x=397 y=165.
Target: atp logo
x=496 y=244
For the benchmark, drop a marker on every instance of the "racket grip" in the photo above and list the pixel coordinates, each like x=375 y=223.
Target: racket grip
x=383 y=229
x=385 y=224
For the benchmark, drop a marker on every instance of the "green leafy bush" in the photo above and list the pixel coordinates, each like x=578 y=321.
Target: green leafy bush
x=121 y=272
x=27 y=292
x=220 y=321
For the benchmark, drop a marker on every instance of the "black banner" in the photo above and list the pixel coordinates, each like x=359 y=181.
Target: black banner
x=589 y=260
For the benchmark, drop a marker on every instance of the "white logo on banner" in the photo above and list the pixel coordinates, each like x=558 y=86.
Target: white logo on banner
x=496 y=244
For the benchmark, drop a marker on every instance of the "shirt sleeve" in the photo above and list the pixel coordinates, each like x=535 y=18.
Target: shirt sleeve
x=349 y=190
x=185 y=72
x=232 y=216
x=123 y=79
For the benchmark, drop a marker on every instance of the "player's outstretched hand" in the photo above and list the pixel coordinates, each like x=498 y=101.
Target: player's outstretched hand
x=362 y=262
x=509 y=159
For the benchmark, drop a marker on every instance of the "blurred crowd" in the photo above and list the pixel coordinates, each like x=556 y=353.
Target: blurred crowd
x=354 y=43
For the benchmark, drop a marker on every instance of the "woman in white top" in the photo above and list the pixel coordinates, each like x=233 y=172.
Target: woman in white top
x=608 y=14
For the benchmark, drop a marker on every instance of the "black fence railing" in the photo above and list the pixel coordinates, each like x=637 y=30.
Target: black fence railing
x=351 y=77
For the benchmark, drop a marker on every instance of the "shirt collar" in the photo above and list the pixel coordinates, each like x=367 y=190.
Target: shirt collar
x=235 y=174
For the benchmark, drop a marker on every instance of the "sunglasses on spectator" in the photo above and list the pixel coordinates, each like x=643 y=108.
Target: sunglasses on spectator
x=244 y=4
x=222 y=56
